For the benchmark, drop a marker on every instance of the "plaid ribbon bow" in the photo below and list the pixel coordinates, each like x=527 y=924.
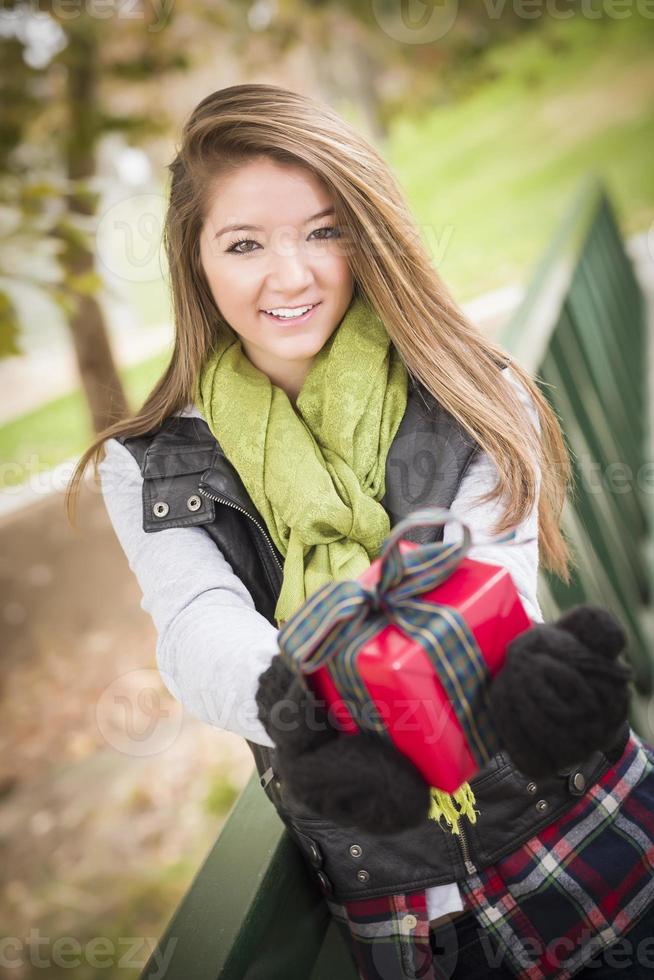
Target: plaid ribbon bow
x=335 y=622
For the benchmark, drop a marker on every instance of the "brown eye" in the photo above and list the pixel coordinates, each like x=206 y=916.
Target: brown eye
x=244 y=241
x=327 y=228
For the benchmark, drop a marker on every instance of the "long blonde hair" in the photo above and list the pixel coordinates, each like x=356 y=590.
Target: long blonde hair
x=391 y=267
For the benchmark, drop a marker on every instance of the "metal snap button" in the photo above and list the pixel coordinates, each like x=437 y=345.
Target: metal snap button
x=362 y=875
x=160 y=509
x=194 y=502
x=532 y=787
x=316 y=856
x=578 y=782
x=542 y=805
x=324 y=881
x=266 y=776
x=355 y=850
x=409 y=921
x=278 y=783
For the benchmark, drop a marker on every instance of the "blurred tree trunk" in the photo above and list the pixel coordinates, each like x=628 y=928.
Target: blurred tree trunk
x=98 y=373
x=367 y=72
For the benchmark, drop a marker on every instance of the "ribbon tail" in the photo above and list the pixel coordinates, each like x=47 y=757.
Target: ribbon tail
x=453 y=806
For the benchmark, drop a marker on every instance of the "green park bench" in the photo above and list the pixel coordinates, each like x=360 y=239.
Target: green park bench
x=253 y=909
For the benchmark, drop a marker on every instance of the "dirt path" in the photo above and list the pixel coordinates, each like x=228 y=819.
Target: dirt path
x=109 y=795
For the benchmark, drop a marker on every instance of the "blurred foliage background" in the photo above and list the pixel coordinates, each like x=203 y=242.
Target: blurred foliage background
x=489 y=114
x=489 y=127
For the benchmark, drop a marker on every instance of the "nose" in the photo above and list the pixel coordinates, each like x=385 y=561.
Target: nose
x=290 y=272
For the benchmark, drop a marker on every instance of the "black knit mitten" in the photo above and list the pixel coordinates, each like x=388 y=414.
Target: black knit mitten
x=355 y=780
x=562 y=693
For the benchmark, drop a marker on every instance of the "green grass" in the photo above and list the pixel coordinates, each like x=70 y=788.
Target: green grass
x=488 y=177
x=62 y=429
x=137 y=908
x=150 y=302
x=221 y=795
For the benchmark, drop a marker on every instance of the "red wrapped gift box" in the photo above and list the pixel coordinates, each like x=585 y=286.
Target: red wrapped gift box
x=400 y=678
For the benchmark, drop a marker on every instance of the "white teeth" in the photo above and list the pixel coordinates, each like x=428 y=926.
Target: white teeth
x=290 y=313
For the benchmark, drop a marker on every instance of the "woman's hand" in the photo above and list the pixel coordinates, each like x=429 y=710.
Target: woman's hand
x=355 y=780
x=562 y=693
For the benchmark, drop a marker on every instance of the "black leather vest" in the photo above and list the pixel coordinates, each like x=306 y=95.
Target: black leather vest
x=188 y=481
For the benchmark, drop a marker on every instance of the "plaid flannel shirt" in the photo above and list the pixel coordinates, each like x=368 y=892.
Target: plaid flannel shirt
x=557 y=900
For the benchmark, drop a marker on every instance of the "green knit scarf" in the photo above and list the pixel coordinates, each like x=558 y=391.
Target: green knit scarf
x=316 y=473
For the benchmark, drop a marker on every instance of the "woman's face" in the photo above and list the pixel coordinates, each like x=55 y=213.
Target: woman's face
x=291 y=257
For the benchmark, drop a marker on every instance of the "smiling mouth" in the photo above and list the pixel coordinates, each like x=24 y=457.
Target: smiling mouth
x=292 y=319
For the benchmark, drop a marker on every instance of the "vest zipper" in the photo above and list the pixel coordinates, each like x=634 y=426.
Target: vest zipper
x=463 y=843
x=230 y=503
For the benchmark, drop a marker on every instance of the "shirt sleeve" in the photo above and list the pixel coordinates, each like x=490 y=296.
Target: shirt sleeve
x=212 y=644
x=520 y=559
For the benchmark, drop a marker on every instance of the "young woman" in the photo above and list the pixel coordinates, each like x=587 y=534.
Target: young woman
x=323 y=385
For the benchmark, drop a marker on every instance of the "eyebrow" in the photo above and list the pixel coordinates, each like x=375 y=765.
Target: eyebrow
x=314 y=217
